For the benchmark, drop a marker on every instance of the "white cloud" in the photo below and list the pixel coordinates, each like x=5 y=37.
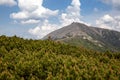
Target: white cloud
x=42 y=30
x=109 y=22
x=72 y=13
x=75 y=3
x=33 y=12
x=8 y=2
x=30 y=21
x=114 y=3
x=20 y=15
x=29 y=5
x=32 y=9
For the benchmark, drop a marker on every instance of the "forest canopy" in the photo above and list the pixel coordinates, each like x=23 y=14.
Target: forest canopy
x=49 y=60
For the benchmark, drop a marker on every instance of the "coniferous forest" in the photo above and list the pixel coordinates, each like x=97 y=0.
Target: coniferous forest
x=27 y=59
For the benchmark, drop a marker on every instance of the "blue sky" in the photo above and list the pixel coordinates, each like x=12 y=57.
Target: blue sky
x=36 y=18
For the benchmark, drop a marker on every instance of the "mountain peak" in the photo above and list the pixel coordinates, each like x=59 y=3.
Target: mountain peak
x=78 y=24
x=74 y=29
x=88 y=35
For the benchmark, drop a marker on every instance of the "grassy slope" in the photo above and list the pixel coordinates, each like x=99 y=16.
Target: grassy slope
x=36 y=59
x=85 y=43
x=76 y=41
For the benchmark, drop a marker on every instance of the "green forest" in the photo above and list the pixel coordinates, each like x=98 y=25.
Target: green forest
x=27 y=59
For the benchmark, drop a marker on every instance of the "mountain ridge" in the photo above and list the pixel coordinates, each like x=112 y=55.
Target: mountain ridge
x=99 y=37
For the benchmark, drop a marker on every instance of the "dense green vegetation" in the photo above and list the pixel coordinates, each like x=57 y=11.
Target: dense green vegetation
x=22 y=59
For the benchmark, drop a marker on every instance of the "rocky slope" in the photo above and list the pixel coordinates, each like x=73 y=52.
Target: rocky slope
x=90 y=37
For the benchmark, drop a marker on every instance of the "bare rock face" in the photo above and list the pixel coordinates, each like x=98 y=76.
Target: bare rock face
x=79 y=33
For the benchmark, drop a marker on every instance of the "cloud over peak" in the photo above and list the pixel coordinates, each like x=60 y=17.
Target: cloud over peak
x=71 y=14
x=33 y=12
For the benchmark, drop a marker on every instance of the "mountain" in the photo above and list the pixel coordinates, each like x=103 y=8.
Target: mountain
x=87 y=36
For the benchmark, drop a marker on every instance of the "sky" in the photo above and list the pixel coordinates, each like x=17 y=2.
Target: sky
x=36 y=18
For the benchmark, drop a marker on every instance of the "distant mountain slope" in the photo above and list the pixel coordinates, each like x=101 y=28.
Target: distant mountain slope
x=87 y=36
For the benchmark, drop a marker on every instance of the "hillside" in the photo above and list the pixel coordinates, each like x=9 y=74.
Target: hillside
x=90 y=37
x=22 y=59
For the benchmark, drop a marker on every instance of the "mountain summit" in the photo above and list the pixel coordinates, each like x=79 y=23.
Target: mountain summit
x=87 y=36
